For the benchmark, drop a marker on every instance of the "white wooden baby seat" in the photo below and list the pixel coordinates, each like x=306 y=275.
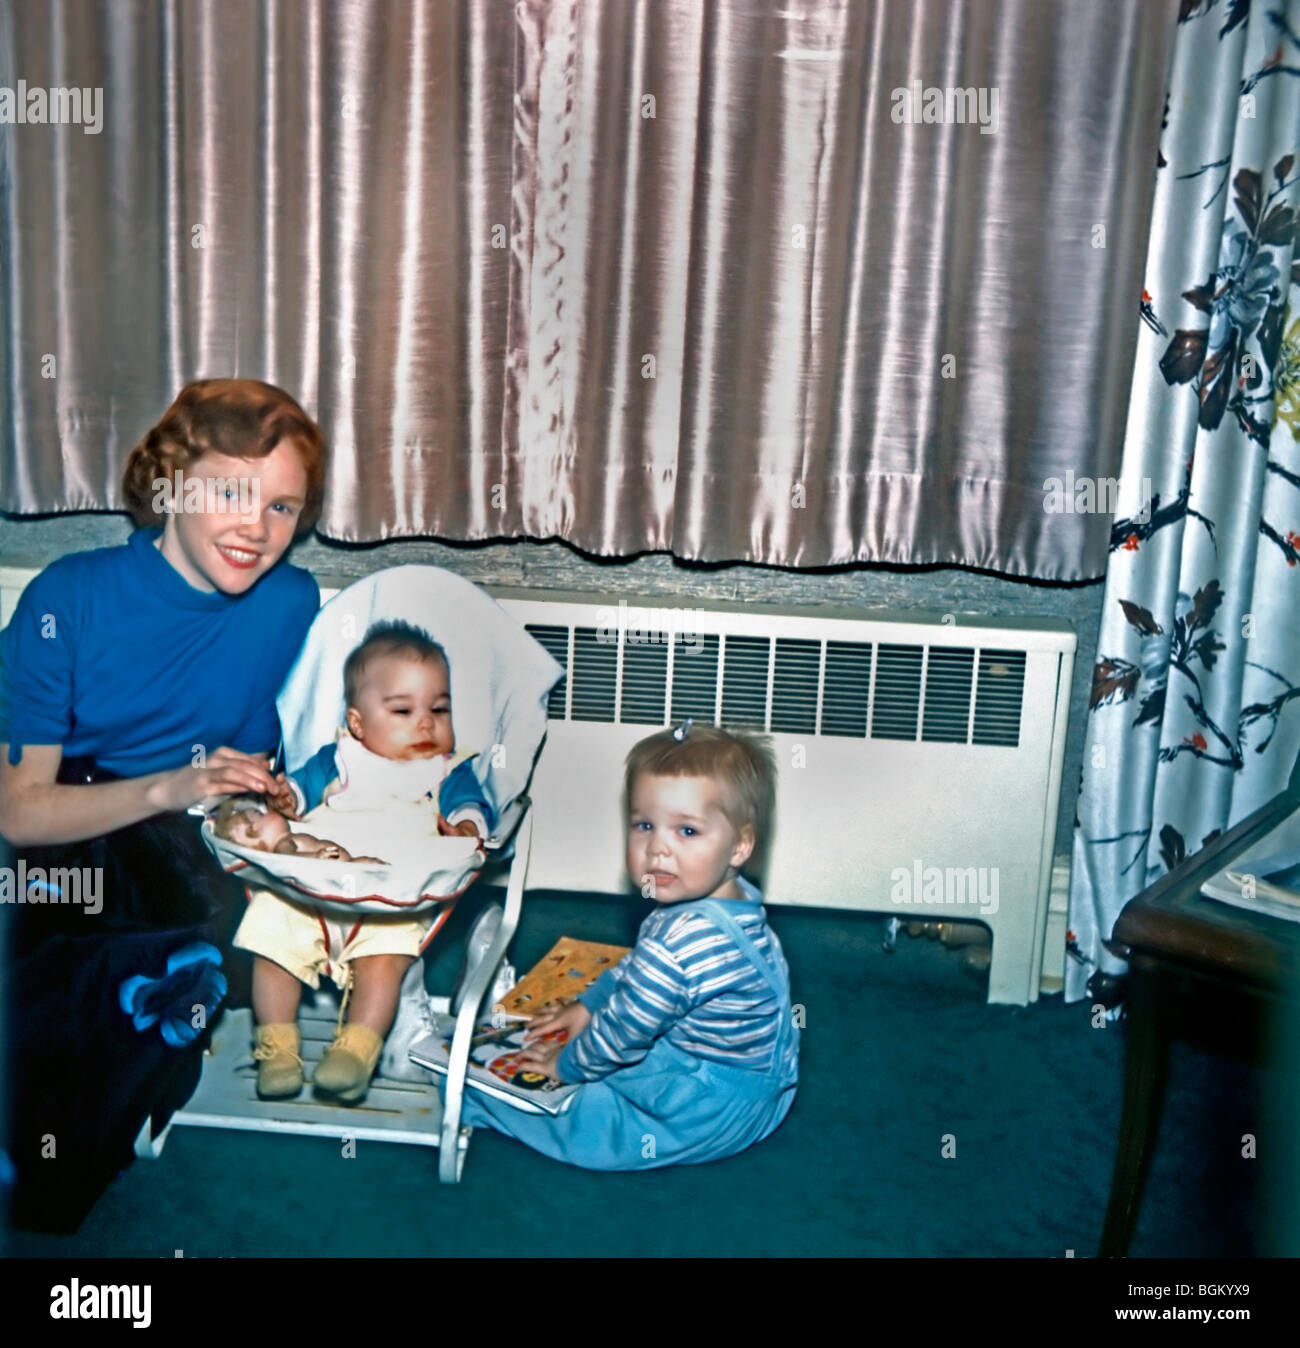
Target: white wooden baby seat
x=500 y=680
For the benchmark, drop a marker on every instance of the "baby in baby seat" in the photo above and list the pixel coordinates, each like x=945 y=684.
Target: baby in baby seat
x=392 y=764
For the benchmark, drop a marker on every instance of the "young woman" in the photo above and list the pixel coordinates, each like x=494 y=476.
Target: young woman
x=135 y=682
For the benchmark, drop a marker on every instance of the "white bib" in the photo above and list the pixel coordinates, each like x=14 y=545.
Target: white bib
x=369 y=782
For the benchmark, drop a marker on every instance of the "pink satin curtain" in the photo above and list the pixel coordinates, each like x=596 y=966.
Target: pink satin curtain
x=637 y=274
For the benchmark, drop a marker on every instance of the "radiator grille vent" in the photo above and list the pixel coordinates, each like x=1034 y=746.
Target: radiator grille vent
x=898 y=693
x=948 y=678
x=645 y=684
x=998 y=699
x=595 y=666
x=555 y=641
x=794 y=685
x=848 y=684
x=890 y=691
x=695 y=679
x=744 y=683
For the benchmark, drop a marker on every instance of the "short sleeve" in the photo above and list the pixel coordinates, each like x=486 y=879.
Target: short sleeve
x=37 y=657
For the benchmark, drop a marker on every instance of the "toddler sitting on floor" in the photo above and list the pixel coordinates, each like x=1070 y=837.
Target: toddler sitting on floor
x=393 y=760
x=687 y=1047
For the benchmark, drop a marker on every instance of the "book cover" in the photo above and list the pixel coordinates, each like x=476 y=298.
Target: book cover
x=568 y=969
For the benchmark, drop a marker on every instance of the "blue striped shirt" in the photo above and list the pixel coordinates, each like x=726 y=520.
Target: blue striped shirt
x=685 y=980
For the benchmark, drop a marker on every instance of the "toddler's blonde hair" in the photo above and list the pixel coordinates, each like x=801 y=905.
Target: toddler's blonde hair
x=740 y=762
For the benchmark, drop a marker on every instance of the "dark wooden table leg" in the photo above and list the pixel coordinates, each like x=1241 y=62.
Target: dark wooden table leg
x=1280 y=1238
x=1144 y=1089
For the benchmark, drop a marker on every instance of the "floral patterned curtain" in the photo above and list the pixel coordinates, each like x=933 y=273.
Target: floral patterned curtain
x=1194 y=719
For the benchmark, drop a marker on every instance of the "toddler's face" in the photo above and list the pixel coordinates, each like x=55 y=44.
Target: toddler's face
x=403 y=708
x=679 y=840
x=251 y=828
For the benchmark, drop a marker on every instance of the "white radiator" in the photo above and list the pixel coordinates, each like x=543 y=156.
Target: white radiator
x=919 y=759
x=919 y=756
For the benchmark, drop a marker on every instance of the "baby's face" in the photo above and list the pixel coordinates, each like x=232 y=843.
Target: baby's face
x=403 y=709
x=680 y=841
x=251 y=828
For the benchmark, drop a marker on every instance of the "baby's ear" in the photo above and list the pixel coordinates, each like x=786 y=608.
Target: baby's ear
x=354 y=723
x=744 y=849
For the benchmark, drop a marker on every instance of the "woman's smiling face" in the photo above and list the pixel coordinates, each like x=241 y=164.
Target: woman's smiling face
x=257 y=503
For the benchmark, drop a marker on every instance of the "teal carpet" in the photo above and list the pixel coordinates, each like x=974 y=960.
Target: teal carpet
x=898 y=1051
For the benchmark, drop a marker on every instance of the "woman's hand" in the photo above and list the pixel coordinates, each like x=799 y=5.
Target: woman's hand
x=36 y=810
x=573 y=1018
x=227 y=772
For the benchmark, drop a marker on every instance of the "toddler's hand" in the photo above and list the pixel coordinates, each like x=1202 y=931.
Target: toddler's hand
x=543 y=1058
x=573 y=1018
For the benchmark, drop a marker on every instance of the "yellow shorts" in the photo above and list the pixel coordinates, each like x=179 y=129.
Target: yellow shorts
x=309 y=943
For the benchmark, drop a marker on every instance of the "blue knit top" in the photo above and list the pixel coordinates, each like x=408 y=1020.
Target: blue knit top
x=112 y=653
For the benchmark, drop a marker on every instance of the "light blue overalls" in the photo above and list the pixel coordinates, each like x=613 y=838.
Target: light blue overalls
x=671 y=1108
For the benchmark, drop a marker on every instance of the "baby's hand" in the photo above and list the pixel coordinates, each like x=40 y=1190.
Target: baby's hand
x=572 y=1018
x=281 y=797
x=467 y=828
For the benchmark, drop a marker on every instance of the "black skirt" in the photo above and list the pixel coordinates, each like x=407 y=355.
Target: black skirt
x=82 y=1079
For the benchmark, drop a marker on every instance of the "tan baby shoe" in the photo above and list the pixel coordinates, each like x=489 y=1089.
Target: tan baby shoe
x=279 y=1066
x=345 y=1071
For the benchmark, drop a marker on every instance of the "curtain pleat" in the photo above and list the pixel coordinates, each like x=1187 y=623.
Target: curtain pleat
x=637 y=274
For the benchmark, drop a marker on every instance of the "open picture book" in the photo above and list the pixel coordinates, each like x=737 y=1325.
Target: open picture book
x=568 y=969
x=494 y=1066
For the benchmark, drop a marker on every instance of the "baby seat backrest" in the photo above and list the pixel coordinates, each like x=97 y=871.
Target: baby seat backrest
x=500 y=676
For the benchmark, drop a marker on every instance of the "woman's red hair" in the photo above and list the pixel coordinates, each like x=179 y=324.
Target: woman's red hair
x=244 y=418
